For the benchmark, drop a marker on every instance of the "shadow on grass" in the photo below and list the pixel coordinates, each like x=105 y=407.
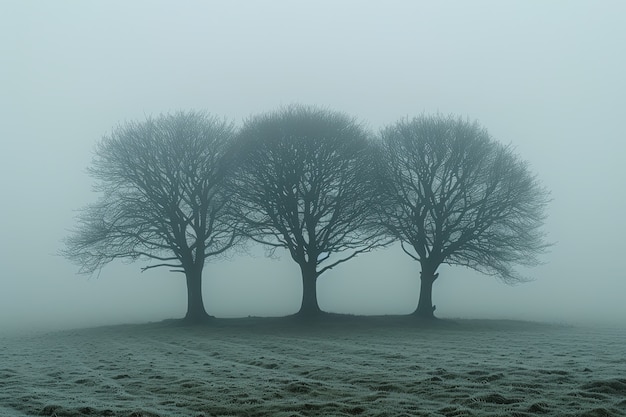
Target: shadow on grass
x=346 y=323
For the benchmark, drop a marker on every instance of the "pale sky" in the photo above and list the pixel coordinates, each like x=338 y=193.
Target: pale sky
x=547 y=77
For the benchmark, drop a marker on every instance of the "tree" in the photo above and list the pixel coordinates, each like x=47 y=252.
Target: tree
x=455 y=196
x=163 y=199
x=305 y=184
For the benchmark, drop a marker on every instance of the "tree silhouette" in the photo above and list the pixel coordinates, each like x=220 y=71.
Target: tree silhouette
x=305 y=184
x=162 y=199
x=454 y=196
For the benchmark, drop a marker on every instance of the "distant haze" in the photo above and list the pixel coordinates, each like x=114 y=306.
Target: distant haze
x=547 y=77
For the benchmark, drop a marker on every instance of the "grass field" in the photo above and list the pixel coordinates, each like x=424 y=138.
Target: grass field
x=381 y=366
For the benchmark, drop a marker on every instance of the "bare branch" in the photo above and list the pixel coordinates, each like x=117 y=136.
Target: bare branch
x=306 y=183
x=163 y=196
x=457 y=197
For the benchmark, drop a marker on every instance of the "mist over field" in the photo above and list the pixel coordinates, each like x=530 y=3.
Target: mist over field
x=547 y=78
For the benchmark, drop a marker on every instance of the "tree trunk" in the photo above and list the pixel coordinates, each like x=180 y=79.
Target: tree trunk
x=195 y=306
x=425 y=308
x=309 y=307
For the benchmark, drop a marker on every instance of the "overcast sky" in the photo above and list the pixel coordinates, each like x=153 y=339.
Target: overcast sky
x=547 y=77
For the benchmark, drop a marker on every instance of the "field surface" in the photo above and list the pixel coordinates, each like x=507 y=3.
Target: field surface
x=344 y=367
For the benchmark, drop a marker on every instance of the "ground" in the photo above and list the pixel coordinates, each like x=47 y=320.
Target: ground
x=344 y=367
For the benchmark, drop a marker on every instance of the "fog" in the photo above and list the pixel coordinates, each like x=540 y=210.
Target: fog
x=547 y=77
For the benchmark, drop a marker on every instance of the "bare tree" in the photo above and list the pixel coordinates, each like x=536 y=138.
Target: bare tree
x=162 y=199
x=454 y=196
x=305 y=184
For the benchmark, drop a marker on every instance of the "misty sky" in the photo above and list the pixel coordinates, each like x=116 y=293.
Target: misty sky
x=547 y=77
